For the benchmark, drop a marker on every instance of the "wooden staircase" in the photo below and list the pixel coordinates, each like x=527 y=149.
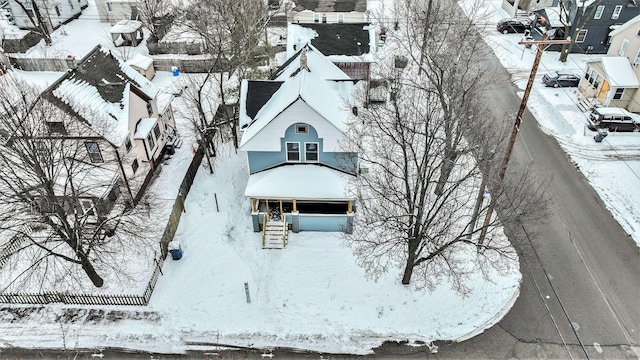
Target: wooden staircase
x=587 y=104
x=274 y=235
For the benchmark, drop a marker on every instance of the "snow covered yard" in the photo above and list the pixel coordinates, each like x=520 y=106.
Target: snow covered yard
x=310 y=295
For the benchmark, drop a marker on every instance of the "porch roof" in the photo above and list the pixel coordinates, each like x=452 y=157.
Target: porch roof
x=300 y=181
x=619 y=72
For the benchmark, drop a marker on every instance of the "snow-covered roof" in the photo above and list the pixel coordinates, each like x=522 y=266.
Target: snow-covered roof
x=144 y=128
x=623 y=27
x=107 y=118
x=140 y=61
x=98 y=91
x=316 y=62
x=303 y=86
x=125 y=27
x=585 y=3
x=619 y=72
x=300 y=181
x=342 y=42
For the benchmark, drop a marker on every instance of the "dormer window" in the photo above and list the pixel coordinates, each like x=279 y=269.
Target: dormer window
x=302 y=129
x=311 y=152
x=293 y=151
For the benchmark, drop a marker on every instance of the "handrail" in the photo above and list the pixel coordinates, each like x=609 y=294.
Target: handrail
x=284 y=233
x=264 y=230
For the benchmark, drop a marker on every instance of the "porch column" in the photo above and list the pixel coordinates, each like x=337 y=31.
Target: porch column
x=349 y=207
x=295 y=206
x=253 y=205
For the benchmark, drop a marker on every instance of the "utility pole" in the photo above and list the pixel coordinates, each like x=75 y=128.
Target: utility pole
x=516 y=128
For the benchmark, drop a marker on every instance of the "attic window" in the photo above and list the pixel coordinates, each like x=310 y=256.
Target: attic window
x=56 y=127
x=149 y=109
x=302 y=129
x=293 y=151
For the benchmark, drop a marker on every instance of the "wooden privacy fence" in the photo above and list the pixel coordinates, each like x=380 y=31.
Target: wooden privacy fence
x=113 y=299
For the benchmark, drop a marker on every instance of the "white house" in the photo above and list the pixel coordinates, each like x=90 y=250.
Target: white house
x=52 y=13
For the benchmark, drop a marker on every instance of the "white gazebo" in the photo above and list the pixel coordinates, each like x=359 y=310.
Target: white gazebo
x=126 y=33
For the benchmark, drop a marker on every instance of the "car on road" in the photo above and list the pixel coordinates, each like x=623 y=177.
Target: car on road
x=613 y=119
x=557 y=79
x=506 y=26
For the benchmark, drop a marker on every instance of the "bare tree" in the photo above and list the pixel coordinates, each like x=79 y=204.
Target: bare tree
x=401 y=219
x=428 y=151
x=151 y=13
x=32 y=9
x=233 y=34
x=569 y=12
x=199 y=107
x=60 y=210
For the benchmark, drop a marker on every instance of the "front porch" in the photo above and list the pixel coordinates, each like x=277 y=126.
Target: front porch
x=276 y=217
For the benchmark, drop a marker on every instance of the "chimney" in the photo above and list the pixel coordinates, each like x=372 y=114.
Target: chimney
x=71 y=62
x=303 y=60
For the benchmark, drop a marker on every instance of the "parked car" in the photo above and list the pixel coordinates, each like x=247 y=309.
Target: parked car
x=556 y=79
x=613 y=119
x=506 y=26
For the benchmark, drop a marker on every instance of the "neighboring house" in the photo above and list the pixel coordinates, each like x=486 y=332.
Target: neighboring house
x=329 y=11
x=591 y=23
x=293 y=126
x=112 y=11
x=351 y=47
x=122 y=118
x=516 y=8
x=613 y=80
x=52 y=13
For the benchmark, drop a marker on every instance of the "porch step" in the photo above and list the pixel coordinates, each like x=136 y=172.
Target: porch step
x=275 y=235
x=587 y=104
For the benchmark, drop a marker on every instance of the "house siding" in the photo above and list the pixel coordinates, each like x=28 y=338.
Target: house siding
x=67 y=12
x=269 y=137
x=259 y=160
x=630 y=33
x=307 y=16
x=598 y=30
x=120 y=10
x=322 y=222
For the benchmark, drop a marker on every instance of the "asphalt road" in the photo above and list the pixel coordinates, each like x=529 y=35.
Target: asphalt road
x=580 y=296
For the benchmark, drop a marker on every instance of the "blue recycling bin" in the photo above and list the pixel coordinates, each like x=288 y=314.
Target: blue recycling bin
x=175 y=250
x=174 y=70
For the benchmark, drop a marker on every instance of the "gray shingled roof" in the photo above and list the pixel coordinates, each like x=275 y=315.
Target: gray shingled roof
x=340 y=39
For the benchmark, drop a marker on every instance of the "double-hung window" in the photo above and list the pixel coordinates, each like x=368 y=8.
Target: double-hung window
x=150 y=140
x=623 y=47
x=599 y=10
x=93 y=149
x=618 y=94
x=293 y=151
x=616 y=12
x=311 y=152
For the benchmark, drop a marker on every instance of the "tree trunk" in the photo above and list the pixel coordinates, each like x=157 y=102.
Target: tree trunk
x=445 y=172
x=408 y=270
x=88 y=268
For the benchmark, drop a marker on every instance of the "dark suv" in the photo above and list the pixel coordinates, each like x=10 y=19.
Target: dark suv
x=613 y=119
x=506 y=26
